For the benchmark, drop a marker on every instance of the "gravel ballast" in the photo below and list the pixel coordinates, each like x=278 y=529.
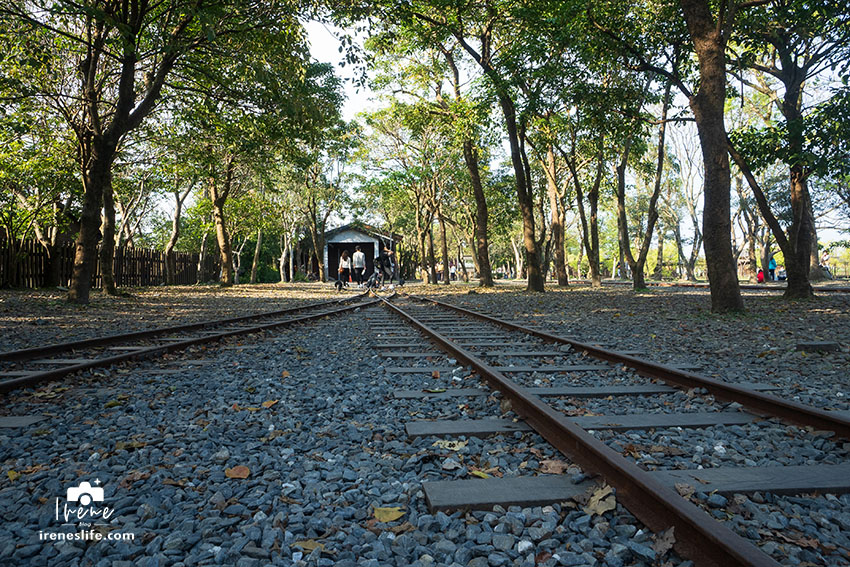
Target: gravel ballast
x=332 y=448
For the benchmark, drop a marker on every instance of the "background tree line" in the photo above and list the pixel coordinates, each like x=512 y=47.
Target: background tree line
x=562 y=140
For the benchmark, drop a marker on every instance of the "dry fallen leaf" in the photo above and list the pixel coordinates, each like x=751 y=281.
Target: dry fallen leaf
x=435 y=374
x=13 y=475
x=401 y=528
x=798 y=539
x=632 y=450
x=664 y=542
x=553 y=466
x=602 y=501
x=309 y=544
x=389 y=514
x=479 y=474
x=284 y=374
x=684 y=489
x=240 y=471
x=450 y=445
x=127 y=445
x=673 y=451
x=269 y=403
x=134 y=476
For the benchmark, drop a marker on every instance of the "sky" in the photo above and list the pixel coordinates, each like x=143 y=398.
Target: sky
x=324 y=47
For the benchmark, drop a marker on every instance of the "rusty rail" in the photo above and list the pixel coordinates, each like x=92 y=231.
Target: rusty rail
x=698 y=536
x=56 y=373
x=34 y=352
x=757 y=402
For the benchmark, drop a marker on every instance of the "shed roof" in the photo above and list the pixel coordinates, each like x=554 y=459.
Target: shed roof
x=366 y=229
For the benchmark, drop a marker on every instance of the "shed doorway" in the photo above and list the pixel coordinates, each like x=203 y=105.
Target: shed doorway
x=335 y=250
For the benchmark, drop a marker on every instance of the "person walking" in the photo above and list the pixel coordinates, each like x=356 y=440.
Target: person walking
x=344 y=269
x=359 y=262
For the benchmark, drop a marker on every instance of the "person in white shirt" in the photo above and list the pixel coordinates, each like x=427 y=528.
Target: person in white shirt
x=359 y=261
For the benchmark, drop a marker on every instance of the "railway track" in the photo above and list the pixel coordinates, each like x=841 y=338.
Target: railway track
x=31 y=366
x=618 y=416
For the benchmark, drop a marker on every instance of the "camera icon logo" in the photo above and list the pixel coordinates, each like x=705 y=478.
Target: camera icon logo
x=85 y=494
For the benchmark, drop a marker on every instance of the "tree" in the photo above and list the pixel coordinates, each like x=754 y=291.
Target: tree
x=648 y=37
x=103 y=66
x=323 y=183
x=38 y=180
x=424 y=69
x=483 y=31
x=789 y=42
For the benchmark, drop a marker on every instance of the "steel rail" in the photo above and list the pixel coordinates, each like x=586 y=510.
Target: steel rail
x=757 y=402
x=698 y=536
x=30 y=353
x=55 y=373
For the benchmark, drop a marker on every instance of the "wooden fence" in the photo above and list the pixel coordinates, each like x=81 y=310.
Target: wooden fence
x=26 y=264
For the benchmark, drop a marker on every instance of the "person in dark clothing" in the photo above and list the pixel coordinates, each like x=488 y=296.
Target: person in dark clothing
x=385 y=265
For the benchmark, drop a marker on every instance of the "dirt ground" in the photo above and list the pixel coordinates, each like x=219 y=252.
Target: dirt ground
x=667 y=324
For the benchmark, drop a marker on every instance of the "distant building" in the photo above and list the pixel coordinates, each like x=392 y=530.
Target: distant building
x=371 y=240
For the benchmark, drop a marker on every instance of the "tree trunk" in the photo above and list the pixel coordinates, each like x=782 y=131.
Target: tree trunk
x=593 y=253
x=473 y=251
x=107 y=245
x=816 y=273
x=637 y=265
x=802 y=237
x=518 y=260
x=524 y=196
x=432 y=267
x=580 y=256
x=96 y=175
x=292 y=261
x=444 y=249
x=708 y=109
x=658 y=272
x=237 y=256
x=319 y=251
x=423 y=255
x=222 y=237
x=461 y=264
x=256 y=263
x=689 y=266
x=202 y=260
x=482 y=246
x=281 y=261
x=170 y=259
x=589 y=230
x=556 y=211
